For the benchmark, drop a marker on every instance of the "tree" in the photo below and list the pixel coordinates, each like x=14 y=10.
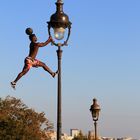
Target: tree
x=18 y=122
x=80 y=137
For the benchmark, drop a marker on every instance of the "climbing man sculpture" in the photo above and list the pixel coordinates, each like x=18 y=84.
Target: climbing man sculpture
x=30 y=60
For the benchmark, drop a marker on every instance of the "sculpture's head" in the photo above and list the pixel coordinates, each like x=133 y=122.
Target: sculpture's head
x=32 y=37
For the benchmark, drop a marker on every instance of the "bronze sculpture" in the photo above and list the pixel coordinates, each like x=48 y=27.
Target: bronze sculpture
x=30 y=60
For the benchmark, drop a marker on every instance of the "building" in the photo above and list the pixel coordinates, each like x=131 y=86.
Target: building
x=53 y=136
x=90 y=135
x=66 y=137
x=74 y=132
x=107 y=138
x=125 y=138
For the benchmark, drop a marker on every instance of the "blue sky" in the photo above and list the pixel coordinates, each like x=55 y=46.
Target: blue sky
x=101 y=61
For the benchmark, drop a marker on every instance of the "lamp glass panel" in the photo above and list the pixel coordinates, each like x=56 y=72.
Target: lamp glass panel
x=59 y=33
x=94 y=114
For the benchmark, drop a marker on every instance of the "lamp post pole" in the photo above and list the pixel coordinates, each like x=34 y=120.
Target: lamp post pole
x=59 y=96
x=95 y=126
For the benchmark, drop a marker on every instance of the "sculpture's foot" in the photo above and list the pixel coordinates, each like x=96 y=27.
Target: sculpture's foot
x=13 y=85
x=55 y=73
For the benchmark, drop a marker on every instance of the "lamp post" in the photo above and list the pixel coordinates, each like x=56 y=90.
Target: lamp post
x=59 y=22
x=95 y=109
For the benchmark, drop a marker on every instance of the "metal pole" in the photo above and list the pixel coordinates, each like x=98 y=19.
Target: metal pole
x=59 y=123
x=95 y=125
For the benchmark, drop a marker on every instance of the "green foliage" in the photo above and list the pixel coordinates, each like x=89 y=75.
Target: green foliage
x=18 y=122
x=80 y=137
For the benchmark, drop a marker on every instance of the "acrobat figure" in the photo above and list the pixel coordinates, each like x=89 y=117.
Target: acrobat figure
x=30 y=60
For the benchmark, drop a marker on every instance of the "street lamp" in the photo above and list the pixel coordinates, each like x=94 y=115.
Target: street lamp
x=95 y=109
x=59 y=22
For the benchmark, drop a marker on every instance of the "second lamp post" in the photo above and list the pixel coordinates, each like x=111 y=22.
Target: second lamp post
x=59 y=22
x=95 y=109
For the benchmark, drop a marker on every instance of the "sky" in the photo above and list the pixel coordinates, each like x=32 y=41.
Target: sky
x=102 y=61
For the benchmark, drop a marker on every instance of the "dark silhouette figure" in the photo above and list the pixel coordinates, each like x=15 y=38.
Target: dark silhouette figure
x=30 y=60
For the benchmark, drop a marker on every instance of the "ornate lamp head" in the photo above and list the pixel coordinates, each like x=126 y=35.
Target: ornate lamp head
x=95 y=109
x=59 y=21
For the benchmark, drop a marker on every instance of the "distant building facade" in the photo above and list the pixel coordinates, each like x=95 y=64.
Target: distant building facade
x=90 y=135
x=107 y=138
x=125 y=138
x=53 y=136
x=74 y=132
